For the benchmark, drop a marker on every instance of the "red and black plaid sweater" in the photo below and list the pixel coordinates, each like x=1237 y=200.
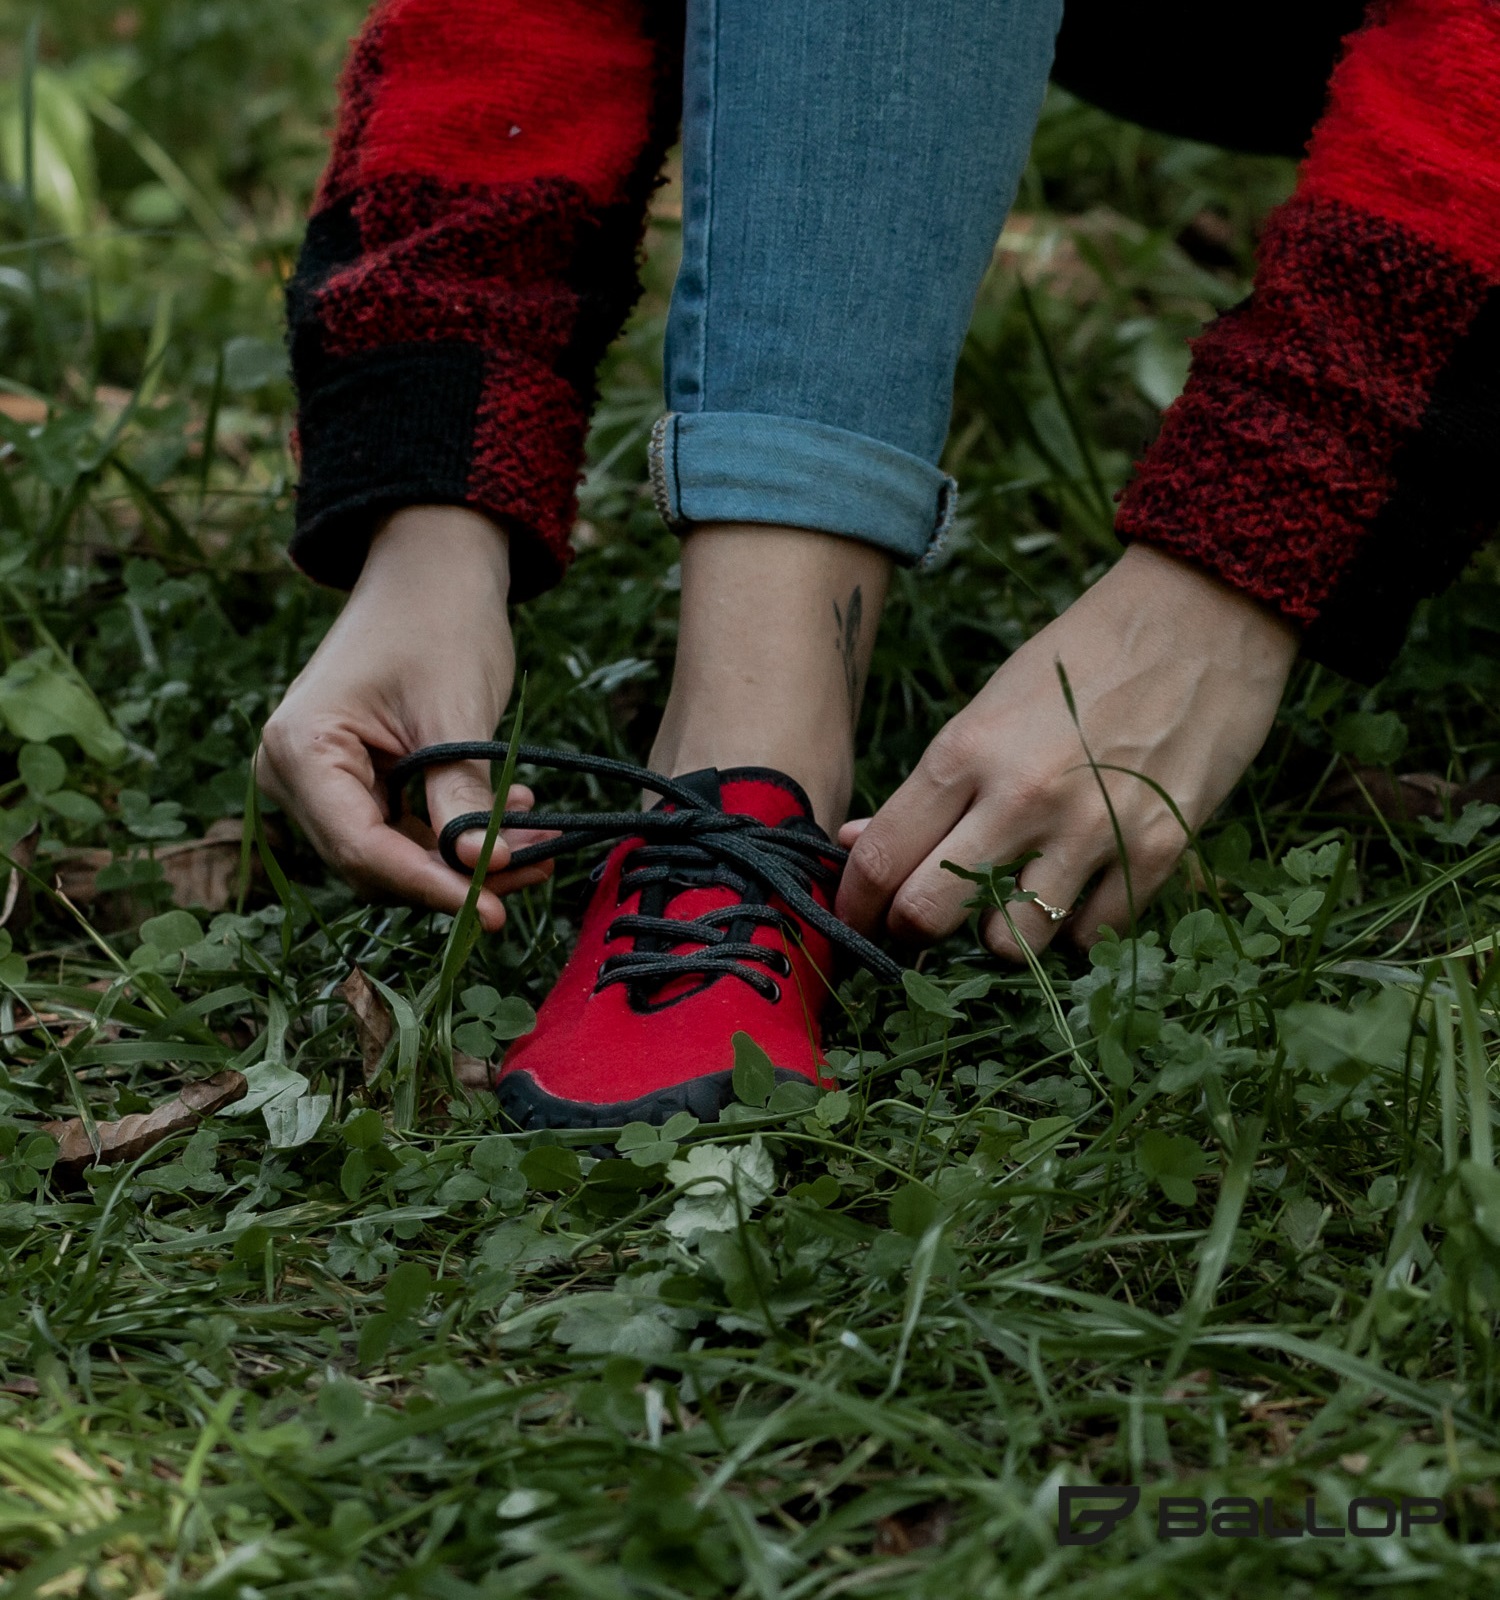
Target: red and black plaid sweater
x=1336 y=453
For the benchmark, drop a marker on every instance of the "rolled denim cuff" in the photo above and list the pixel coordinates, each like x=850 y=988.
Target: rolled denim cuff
x=733 y=466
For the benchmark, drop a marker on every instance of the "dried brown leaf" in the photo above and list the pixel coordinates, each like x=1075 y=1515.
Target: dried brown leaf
x=472 y=1073
x=917 y=1528
x=1043 y=251
x=16 y=899
x=1213 y=228
x=23 y=409
x=201 y=873
x=373 y=1023
x=132 y=1136
x=1405 y=796
x=72 y=1022
x=70 y=1028
x=1400 y=797
x=1189 y=1385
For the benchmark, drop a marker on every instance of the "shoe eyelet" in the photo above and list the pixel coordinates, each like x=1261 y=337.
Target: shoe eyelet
x=786 y=964
x=775 y=993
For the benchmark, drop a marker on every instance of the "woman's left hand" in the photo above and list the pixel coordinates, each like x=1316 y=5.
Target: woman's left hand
x=1174 y=675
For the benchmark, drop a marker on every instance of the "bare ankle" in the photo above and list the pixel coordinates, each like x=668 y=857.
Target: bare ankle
x=775 y=638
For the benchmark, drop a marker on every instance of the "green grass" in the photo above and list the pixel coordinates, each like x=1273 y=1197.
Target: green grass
x=1216 y=1212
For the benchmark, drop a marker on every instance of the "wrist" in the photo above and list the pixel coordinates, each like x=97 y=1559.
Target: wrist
x=1191 y=600
x=450 y=550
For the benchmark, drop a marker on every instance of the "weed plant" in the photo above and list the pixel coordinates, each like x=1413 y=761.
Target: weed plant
x=1214 y=1211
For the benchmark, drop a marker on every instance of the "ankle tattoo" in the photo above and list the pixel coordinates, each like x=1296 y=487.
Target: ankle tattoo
x=850 y=621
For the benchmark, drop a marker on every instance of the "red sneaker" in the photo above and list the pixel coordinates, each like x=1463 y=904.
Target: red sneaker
x=712 y=917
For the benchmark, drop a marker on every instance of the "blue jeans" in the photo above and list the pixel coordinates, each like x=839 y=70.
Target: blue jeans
x=847 y=168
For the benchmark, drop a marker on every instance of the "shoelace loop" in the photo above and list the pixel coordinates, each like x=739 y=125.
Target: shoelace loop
x=693 y=846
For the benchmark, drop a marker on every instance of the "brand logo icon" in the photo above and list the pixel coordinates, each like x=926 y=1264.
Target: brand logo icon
x=1089 y=1516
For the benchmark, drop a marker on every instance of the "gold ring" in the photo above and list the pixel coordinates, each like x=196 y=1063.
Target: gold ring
x=1054 y=913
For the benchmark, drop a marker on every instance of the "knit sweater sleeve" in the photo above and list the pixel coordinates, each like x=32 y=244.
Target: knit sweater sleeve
x=1334 y=453
x=472 y=250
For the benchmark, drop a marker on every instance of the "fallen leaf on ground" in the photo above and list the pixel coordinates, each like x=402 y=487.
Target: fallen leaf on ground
x=1271 y=1415
x=473 y=1073
x=202 y=873
x=23 y=408
x=69 y=1028
x=1402 y=797
x=918 y=1528
x=1186 y=1387
x=1212 y=228
x=133 y=1135
x=1043 y=250
x=31 y=410
x=373 y=1023
x=72 y=1022
x=16 y=901
x=1406 y=796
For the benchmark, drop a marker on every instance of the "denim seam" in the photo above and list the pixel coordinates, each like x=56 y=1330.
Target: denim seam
x=711 y=7
x=656 y=455
x=677 y=475
x=942 y=533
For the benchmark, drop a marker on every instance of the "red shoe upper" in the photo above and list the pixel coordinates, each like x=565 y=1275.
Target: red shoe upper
x=630 y=1031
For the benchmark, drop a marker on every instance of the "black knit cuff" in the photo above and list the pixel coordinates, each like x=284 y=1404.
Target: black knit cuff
x=390 y=428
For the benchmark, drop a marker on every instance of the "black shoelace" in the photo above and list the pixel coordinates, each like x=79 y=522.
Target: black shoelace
x=694 y=846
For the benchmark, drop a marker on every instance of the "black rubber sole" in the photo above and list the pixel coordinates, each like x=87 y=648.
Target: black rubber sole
x=531 y=1107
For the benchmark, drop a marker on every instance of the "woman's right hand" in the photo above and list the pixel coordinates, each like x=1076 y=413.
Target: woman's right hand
x=421 y=654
